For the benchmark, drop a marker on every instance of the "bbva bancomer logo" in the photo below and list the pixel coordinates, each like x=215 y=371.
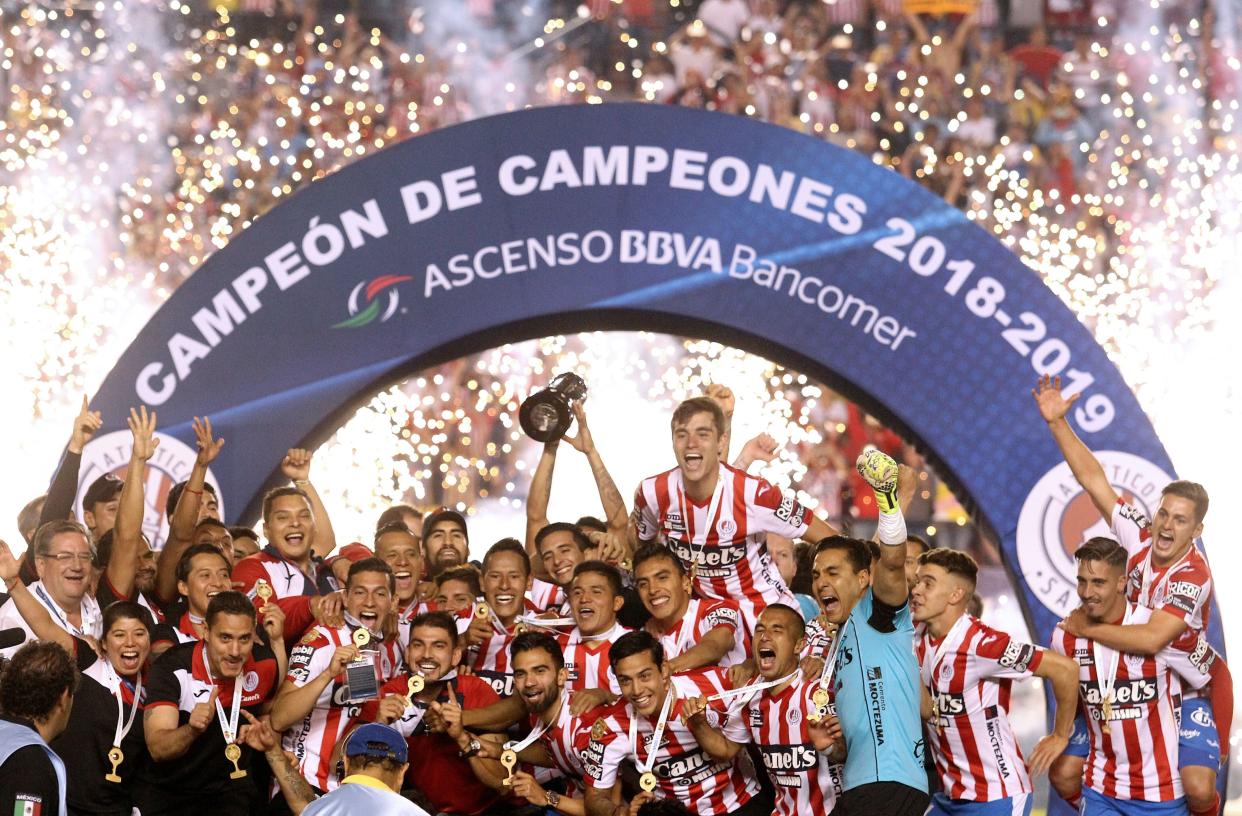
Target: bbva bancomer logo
x=362 y=314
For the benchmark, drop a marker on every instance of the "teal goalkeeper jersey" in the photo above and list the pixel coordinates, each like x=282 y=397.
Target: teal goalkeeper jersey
x=877 y=696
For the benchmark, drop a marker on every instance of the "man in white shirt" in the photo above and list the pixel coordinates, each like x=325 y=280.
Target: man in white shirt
x=724 y=19
x=63 y=555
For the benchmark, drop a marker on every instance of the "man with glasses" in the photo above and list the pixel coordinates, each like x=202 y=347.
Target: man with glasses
x=63 y=556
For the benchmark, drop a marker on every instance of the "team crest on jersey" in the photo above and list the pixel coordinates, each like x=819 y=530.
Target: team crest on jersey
x=794 y=716
x=308 y=638
x=251 y=681
x=598 y=730
x=1058 y=516
x=726 y=527
x=1134 y=662
x=946 y=671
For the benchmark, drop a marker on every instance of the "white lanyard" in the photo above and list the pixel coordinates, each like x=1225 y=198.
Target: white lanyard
x=645 y=767
x=61 y=616
x=545 y=623
x=929 y=669
x=576 y=637
x=228 y=724
x=536 y=733
x=752 y=688
x=830 y=662
x=122 y=725
x=1106 y=680
x=699 y=540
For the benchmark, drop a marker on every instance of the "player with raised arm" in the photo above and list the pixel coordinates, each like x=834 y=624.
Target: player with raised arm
x=1165 y=573
x=715 y=518
x=1129 y=700
x=968 y=668
x=874 y=676
x=553 y=560
x=316 y=705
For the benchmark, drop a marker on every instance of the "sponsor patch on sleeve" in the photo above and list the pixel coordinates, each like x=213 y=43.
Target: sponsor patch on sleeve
x=1018 y=656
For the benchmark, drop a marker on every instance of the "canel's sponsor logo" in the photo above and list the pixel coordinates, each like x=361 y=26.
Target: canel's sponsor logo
x=365 y=304
x=1058 y=516
x=172 y=463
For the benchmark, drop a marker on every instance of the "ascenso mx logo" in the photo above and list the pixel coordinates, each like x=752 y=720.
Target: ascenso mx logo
x=365 y=304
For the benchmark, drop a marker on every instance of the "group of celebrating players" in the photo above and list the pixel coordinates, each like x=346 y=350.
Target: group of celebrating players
x=652 y=659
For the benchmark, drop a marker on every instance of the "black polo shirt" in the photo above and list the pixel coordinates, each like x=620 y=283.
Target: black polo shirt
x=200 y=777
x=88 y=738
x=28 y=777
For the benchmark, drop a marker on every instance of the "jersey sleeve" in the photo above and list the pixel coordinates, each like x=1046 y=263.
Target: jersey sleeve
x=998 y=655
x=645 y=516
x=309 y=659
x=775 y=512
x=246 y=572
x=477 y=694
x=1187 y=592
x=1130 y=526
x=719 y=613
x=298 y=616
x=163 y=688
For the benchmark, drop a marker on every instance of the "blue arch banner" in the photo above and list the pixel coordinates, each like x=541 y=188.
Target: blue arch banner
x=660 y=218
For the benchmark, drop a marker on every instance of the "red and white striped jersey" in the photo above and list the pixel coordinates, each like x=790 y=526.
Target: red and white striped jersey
x=1183 y=589
x=491 y=662
x=588 y=666
x=733 y=563
x=312 y=740
x=684 y=771
x=407 y=614
x=818 y=638
x=805 y=781
x=566 y=740
x=702 y=616
x=969 y=675
x=1137 y=759
x=546 y=597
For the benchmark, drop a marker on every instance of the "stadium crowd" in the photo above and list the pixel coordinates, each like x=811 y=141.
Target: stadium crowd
x=650 y=658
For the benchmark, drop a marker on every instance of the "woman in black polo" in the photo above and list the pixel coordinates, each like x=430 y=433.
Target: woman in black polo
x=103 y=745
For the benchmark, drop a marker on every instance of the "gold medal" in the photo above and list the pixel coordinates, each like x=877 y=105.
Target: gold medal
x=815 y=716
x=1106 y=713
x=417 y=683
x=116 y=757
x=647 y=782
x=263 y=589
x=481 y=611
x=820 y=697
x=232 y=752
x=519 y=629
x=509 y=759
x=361 y=637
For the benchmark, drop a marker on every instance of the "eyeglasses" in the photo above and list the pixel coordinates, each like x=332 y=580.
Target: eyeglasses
x=65 y=558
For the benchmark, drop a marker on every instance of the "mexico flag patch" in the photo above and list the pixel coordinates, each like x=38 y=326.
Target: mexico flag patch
x=27 y=805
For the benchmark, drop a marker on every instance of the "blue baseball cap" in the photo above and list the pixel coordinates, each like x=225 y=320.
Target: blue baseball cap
x=377 y=742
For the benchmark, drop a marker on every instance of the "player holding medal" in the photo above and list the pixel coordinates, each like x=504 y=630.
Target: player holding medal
x=321 y=696
x=648 y=727
x=801 y=744
x=201 y=717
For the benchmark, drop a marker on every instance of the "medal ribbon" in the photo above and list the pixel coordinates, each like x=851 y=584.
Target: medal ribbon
x=699 y=541
x=228 y=725
x=1106 y=681
x=645 y=767
x=123 y=725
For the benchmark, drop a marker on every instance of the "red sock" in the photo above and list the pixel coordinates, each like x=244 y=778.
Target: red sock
x=1211 y=810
